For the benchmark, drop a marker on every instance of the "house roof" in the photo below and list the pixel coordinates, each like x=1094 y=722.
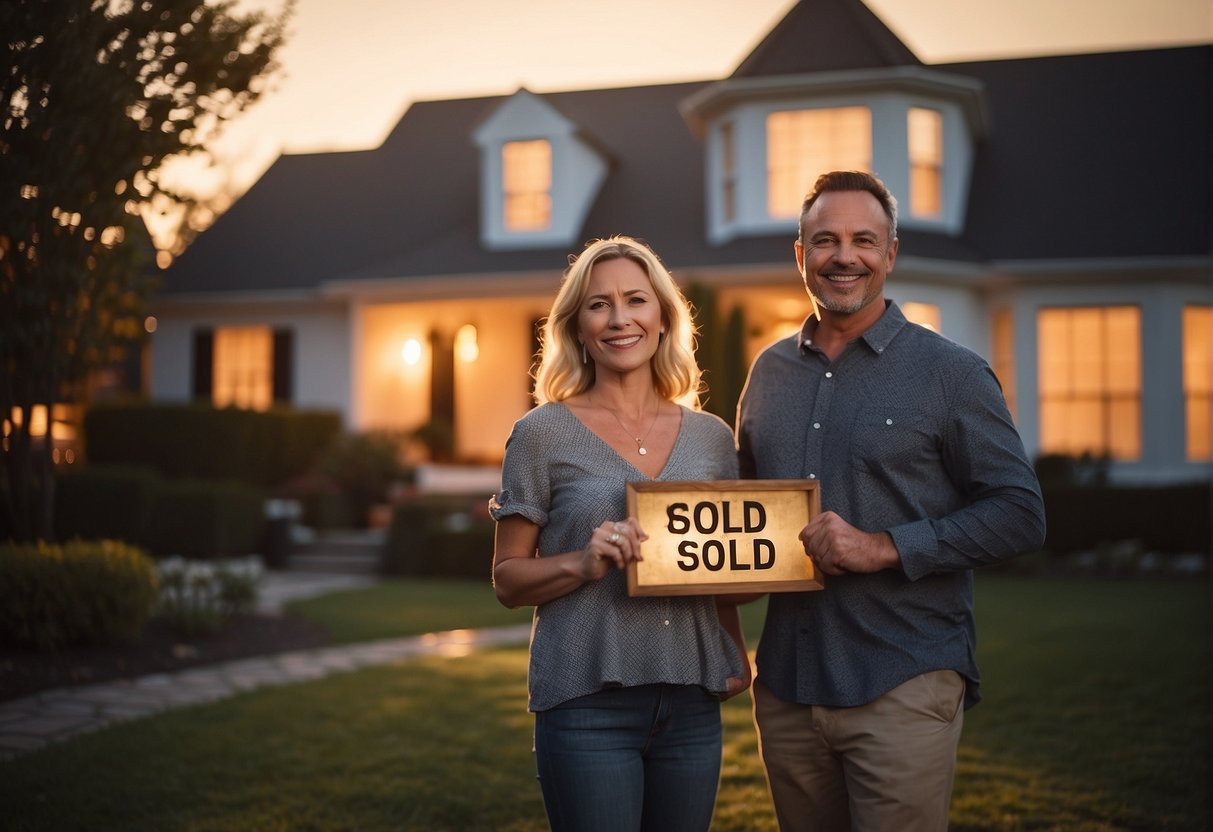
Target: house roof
x=1088 y=157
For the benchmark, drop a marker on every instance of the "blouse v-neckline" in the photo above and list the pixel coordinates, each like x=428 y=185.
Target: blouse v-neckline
x=664 y=464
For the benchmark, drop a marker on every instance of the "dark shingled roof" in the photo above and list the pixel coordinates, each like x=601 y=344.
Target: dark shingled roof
x=1088 y=156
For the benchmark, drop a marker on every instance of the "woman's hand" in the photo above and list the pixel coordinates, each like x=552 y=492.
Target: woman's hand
x=612 y=544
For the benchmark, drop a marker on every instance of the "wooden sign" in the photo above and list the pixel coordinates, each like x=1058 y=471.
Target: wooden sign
x=723 y=536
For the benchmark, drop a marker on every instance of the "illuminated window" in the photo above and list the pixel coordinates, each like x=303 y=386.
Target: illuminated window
x=1090 y=381
x=243 y=367
x=924 y=314
x=925 y=129
x=1198 y=381
x=728 y=172
x=526 y=180
x=1004 y=356
x=803 y=144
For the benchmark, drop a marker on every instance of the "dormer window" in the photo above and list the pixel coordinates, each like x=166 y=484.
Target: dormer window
x=526 y=184
x=803 y=144
x=539 y=175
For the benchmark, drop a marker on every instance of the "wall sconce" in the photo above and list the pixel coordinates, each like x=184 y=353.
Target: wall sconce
x=467 y=347
x=411 y=351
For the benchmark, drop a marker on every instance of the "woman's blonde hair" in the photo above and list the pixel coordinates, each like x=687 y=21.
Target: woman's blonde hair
x=563 y=374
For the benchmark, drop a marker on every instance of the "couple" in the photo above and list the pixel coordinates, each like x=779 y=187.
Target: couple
x=860 y=688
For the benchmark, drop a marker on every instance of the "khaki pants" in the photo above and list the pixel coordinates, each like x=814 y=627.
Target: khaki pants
x=886 y=766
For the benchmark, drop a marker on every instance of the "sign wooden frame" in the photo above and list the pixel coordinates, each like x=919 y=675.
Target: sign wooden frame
x=717 y=537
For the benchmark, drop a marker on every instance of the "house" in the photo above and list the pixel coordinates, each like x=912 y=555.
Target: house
x=1055 y=217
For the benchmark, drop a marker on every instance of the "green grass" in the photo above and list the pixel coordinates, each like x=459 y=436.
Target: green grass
x=1096 y=717
x=404 y=608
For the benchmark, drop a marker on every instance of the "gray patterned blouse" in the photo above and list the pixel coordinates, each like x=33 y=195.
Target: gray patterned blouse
x=561 y=476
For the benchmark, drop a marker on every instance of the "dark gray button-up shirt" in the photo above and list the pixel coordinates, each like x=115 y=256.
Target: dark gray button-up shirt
x=908 y=433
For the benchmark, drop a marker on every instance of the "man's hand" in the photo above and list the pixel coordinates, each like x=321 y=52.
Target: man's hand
x=836 y=547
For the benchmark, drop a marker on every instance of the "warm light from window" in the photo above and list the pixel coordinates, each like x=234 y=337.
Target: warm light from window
x=803 y=144
x=1198 y=381
x=924 y=314
x=466 y=346
x=1004 y=355
x=244 y=367
x=1090 y=381
x=150 y=323
x=925 y=138
x=411 y=351
x=526 y=170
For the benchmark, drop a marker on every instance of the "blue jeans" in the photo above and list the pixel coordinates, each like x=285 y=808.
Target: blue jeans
x=637 y=758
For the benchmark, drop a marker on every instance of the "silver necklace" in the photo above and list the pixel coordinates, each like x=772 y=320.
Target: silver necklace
x=639 y=440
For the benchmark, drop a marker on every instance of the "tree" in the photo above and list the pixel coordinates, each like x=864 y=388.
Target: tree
x=95 y=96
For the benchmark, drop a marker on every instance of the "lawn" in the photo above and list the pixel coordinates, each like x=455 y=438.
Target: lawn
x=1096 y=717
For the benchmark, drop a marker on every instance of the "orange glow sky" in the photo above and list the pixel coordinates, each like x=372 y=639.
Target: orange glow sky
x=351 y=67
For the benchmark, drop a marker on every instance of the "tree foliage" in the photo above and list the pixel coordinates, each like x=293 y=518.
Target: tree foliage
x=94 y=96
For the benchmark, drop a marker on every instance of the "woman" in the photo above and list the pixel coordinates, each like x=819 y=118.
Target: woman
x=626 y=691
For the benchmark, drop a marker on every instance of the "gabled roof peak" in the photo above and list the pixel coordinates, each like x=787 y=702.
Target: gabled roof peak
x=826 y=35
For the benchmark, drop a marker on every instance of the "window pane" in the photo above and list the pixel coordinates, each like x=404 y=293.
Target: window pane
x=728 y=172
x=803 y=144
x=244 y=367
x=924 y=314
x=1090 y=380
x=526 y=170
x=925 y=138
x=1004 y=356
x=1198 y=381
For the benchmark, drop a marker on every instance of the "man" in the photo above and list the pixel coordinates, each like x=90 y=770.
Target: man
x=862 y=686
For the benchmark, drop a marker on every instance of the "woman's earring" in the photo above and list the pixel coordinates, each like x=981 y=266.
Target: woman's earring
x=585 y=357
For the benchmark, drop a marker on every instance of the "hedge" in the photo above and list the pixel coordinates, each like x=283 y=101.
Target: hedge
x=447 y=536
x=197 y=441
x=1171 y=519
x=193 y=518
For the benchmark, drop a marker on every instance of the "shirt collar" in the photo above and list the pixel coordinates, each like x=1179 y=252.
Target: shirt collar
x=878 y=336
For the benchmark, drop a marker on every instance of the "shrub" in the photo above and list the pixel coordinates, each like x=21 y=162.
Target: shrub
x=199 y=598
x=105 y=502
x=82 y=592
x=363 y=466
x=206 y=519
x=198 y=441
x=1167 y=519
x=448 y=536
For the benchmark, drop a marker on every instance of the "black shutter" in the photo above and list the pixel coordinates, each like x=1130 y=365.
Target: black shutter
x=204 y=364
x=284 y=366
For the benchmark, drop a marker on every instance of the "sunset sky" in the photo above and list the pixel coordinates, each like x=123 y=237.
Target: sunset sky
x=352 y=67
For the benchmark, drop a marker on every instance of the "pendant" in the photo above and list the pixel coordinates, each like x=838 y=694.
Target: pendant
x=642 y=450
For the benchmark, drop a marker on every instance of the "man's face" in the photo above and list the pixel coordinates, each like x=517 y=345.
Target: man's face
x=845 y=252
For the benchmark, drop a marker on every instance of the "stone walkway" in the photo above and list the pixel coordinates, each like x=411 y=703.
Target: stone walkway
x=52 y=716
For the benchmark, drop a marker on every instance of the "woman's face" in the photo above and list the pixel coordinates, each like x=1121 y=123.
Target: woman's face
x=620 y=318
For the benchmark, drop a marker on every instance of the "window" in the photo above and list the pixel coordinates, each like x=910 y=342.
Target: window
x=243 y=367
x=728 y=173
x=803 y=144
x=1198 y=381
x=924 y=314
x=925 y=139
x=1004 y=355
x=526 y=179
x=1090 y=381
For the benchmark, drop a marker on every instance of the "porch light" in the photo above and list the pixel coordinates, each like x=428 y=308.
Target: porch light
x=466 y=344
x=411 y=351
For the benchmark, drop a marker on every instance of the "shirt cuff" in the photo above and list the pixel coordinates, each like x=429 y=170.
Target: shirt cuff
x=918 y=547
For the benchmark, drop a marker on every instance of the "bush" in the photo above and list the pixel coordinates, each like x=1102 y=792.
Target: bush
x=362 y=467
x=1166 y=519
x=187 y=517
x=197 y=441
x=199 y=598
x=79 y=593
x=206 y=519
x=100 y=502
x=440 y=536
